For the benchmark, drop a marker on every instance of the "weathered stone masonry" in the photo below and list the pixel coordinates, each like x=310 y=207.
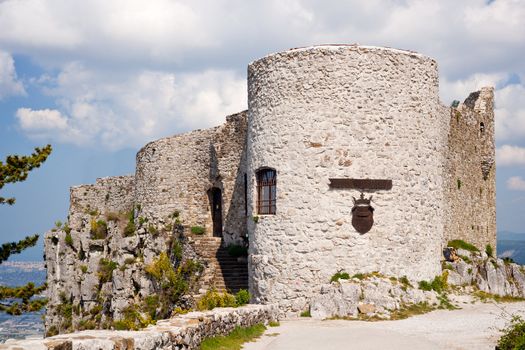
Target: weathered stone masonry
x=342 y=111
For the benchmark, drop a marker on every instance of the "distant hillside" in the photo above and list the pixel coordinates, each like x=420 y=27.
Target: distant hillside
x=511 y=236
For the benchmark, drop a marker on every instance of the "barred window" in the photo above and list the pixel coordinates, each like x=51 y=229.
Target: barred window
x=266 y=191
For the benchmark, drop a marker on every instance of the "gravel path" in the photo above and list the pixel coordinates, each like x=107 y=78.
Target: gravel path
x=474 y=326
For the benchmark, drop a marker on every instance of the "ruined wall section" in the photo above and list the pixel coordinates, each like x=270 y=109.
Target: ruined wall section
x=228 y=170
x=471 y=171
x=344 y=112
x=176 y=174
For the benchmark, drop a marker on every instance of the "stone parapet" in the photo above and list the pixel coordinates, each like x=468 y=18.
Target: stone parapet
x=181 y=332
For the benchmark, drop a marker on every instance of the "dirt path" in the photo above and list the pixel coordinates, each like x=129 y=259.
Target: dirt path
x=475 y=326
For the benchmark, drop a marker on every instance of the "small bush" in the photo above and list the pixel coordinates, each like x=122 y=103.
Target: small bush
x=508 y=260
x=237 y=250
x=340 y=275
x=274 y=324
x=197 y=230
x=213 y=299
x=69 y=239
x=130 y=228
x=255 y=219
x=99 y=229
x=83 y=268
x=242 y=297
x=359 y=276
x=306 y=313
x=105 y=270
x=66 y=228
x=465 y=259
x=438 y=284
x=459 y=184
x=404 y=280
x=461 y=244
x=153 y=230
x=513 y=336
x=489 y=250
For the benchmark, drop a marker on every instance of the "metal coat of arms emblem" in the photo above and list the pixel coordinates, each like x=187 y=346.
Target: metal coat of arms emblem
x=362 y=214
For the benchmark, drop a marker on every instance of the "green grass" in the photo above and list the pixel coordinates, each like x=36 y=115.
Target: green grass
x=198 y=230
x=306 y=313
x=484 y=296
x=407 y=311
x=461 y=244
x=235 y=339
x=274 y=324
x=340 y=275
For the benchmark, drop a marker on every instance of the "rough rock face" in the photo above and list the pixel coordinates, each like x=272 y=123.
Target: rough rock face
x=488 y=274
x=375 y=295
x=184 y=332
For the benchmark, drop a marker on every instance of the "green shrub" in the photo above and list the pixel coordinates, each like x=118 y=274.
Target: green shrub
x=306 y=313
x=461 y=244
x=170 y=282
x=405 y=282
x=197 y=230
x=359 y=276
x=340 y=275
x=255 y=219
x=130 y=228
x=508 y=260
x=213 y=299
x=438 y=284
x=131 y=320
x=513 y=337
x=274 y=324
x=105 y=270
x=66 y=228
x=99 y=229
x=459 y=184
x=465 y=259
x=69 y=240
x=242 y=297
x=83 y=268
x=237 y=250
x=489 y=250
x=142 y=220
x=153 y=230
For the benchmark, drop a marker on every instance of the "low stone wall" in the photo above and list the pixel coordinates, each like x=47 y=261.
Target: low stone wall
x=181 y=332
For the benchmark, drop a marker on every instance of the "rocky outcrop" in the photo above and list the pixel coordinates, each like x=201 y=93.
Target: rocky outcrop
x=182 y=332
x=371 y=295
x=488 y=274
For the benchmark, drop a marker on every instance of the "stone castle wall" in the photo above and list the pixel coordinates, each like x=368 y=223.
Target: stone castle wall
x=344 y=112
x=471 y=171
x=177 y=173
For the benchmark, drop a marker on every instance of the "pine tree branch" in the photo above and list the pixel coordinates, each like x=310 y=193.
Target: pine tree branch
x=7 y=249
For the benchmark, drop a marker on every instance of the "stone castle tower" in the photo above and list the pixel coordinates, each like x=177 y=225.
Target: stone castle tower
x=344 y=160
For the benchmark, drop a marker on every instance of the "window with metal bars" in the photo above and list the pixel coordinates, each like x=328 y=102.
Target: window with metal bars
x=266 y=191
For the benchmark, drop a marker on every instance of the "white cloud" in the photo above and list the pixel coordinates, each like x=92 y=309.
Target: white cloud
x=516 y=183
x=44 y=119
x=9 y=83
x=508 y=155
x=197 y=51
x=115 y=111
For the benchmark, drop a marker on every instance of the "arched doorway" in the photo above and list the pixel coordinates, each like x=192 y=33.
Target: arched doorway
x=216 y=210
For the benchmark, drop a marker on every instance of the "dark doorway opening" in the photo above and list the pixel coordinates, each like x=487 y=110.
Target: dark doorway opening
x=216 y=211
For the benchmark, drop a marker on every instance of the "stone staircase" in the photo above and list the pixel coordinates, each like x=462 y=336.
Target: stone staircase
x=224 y=273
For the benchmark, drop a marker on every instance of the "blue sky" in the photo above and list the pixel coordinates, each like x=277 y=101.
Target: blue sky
x=99 y=79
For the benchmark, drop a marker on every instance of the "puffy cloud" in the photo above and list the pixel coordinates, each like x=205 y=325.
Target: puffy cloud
x=510 y=113
x=9 y=84
x=516 y=183
x=44 y=119
x=507 y=155
x=115 y=111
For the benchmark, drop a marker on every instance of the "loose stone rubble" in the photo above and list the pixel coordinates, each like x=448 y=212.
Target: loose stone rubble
x=182 y=332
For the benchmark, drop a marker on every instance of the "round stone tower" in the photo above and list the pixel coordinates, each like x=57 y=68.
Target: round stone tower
x=351 y=113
